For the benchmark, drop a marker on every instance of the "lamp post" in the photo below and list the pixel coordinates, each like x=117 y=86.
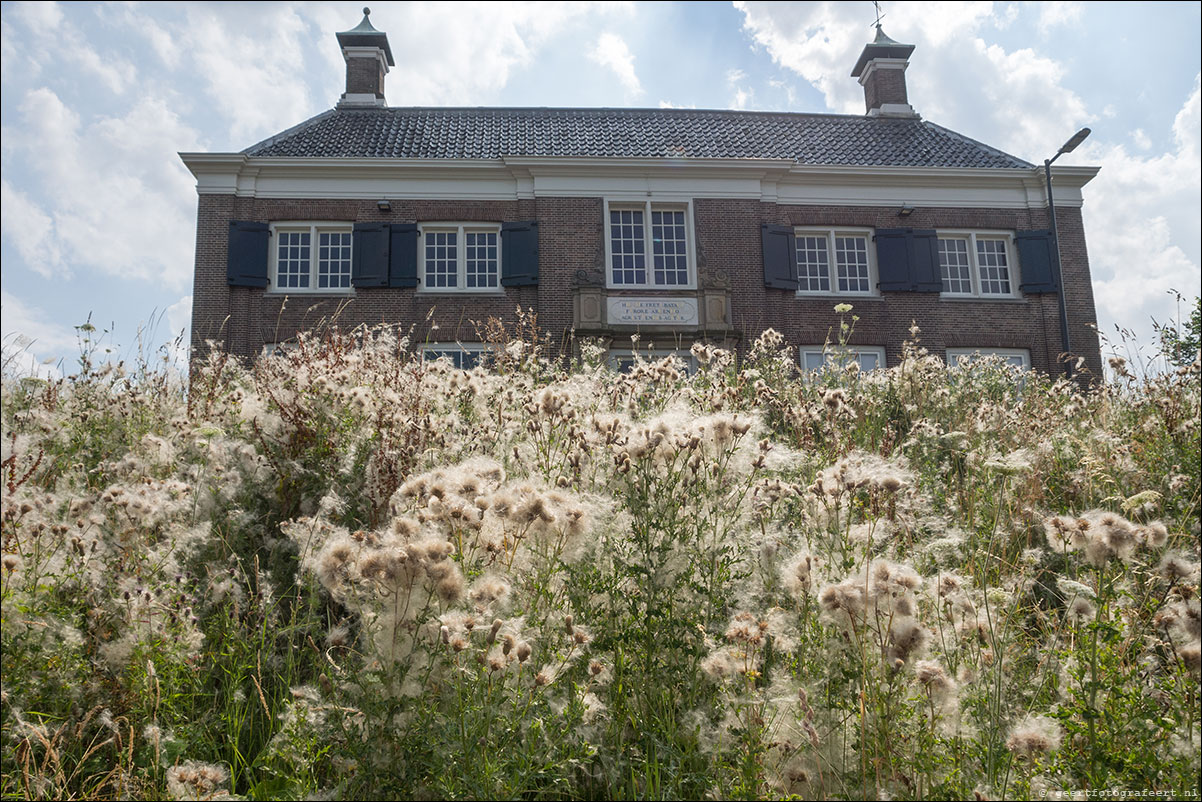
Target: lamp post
x=1067 y=147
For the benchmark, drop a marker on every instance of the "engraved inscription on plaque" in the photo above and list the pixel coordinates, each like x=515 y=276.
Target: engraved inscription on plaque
x=651 y=311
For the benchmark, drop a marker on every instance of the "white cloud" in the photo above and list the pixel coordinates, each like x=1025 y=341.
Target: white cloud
x=1141 y=217
x=161 y=40
x=1015 y=101
x=461 y=53
x=119 y=199
x=1141 y=139
x=31 y=232
x=741 y=96
x=612 y=53
x=28 y=338
x=179 y=323
x=1052 y=14
x=50 y=37
x=250 y=59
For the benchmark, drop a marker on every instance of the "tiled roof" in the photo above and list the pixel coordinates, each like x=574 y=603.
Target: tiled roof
x=491 y=133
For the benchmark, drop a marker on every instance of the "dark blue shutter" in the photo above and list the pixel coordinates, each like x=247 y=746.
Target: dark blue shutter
x=519 y=254
x=402 y=255
x=924 y=261
x=893 y=260
x=1036 y=262
x=369 y=255
x=246 y=261
x=780 y=257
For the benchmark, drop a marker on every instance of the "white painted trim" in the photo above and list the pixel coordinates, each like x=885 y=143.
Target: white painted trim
x=461 y=227
x=362 y=99
x=648 y=202
x=882 y=64
x=893 y=110
x=366 y=51
x=772 y=180
x=830 y=232
x=316 y=227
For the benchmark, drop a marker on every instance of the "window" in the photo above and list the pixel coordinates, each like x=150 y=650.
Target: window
x=815 y=357
x=311 y=257
x=460 y=257
x=835 y=262
x=648 y=245
x=279 y=349
x=976 y=265
x=1018 y=358
x=464 y=356
x=623 y=359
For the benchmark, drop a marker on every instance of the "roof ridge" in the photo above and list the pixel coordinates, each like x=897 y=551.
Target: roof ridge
x=621 y=109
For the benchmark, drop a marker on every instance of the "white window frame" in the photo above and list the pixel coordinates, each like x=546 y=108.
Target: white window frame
x=315 y=229
x=647 y=206
x=974 y=267
x=853 y=352
x=433 y=351
x=830 y=233
x=958 y=356
x=616 y=356
x=462 y=229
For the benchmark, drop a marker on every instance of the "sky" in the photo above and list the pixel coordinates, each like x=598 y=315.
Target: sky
x=98 y=213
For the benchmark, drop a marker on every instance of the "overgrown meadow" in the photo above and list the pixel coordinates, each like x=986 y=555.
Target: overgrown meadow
x=344 y=572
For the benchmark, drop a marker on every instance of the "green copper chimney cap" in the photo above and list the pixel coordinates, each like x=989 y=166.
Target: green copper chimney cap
x=881 y=47
x=364 y=35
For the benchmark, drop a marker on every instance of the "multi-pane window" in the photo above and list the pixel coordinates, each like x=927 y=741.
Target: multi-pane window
x=624 y=360
x=464 y=356
x=311 y=257
x=460 y=257
x=975 y=265
x=834 y=262
x=648 y=245
x=1018 y=358
x=867 y=357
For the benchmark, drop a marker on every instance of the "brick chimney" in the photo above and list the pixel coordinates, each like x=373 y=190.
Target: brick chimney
x=368 y=58
x=881 y=69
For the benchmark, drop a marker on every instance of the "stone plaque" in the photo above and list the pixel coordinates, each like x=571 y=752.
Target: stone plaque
x=651 y=311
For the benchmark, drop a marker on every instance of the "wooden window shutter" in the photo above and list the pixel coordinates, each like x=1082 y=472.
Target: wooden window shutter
x=780 y=257
x=369 y=260
x=246 y=261
x=519 y=254
x=893 y=260
x=402 y=255
x=1035 y=261
x=924 y=261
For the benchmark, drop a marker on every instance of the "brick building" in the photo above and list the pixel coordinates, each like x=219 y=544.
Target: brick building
x=680 y=225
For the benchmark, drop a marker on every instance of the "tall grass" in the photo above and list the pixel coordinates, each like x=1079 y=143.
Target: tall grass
x=343 y=572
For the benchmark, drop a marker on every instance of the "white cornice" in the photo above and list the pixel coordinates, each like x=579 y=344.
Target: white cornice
x=511 y=178
x=360 y=51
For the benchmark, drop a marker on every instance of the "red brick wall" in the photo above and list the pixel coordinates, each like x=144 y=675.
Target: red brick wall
x=571 y=239
x=729 y=234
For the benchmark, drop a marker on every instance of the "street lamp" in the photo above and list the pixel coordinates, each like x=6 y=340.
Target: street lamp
x=1067 y=147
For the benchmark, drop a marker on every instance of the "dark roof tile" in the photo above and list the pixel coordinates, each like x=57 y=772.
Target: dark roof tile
x=492 y=133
